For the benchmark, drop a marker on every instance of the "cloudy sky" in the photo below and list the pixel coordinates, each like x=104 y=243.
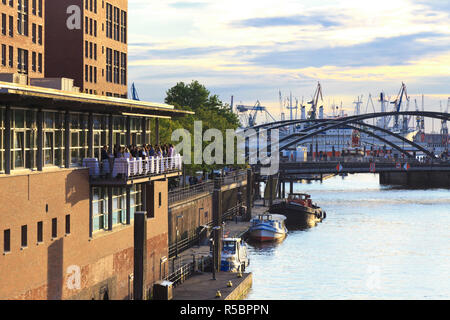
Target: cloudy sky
x=252 y=49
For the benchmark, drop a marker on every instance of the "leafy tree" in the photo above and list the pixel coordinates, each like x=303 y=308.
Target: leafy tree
x=208 y=108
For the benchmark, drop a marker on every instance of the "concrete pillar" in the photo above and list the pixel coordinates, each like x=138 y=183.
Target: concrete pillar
x=249 y=195
x=7 y=140
x=110 y=208
x=284 y=190
x=90 y=136
x=40 y=140
x=217 y=222
x=67 y=140
x=140 y=255
x=157 y=131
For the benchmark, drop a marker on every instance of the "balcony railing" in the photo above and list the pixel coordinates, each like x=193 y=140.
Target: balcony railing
x=125 y=169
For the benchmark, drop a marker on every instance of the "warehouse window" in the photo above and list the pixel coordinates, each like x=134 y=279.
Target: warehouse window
x=54 y=139
x=68 y=224
x=40 y=232
x=22 y=17
x=4 y=24
x=2 y=128
x=54 y=228
x=3 y=55
x=24 y=237
x=7 y=241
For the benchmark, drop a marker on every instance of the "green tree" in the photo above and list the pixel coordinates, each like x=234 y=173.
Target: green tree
x=208 y=108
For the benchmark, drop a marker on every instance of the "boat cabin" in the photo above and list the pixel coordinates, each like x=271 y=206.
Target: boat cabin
x=300 y=198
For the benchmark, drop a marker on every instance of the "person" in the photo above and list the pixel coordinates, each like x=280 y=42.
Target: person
x=104 y=154
x=126 y=153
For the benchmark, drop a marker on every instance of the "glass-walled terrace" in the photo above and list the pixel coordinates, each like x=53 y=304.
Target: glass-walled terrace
x=35 y=139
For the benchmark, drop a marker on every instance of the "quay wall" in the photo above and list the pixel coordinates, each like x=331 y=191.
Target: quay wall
x=416 y=179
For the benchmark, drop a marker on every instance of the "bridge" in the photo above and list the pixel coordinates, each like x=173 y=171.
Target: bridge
x=404 y=163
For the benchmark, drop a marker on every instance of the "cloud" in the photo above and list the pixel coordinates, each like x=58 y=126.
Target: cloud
x=188 y=5
x=283 y=21
x=381 y=51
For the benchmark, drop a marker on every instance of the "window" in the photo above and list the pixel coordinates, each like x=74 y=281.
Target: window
x=34 y=33
x=3 y=55
x=116 y=66
x=159 y=199
x=86 y=25
x=67 y=224
x=54 y=228
x=22 y=61
x=109 y=21
x=33 y=61
x=7 y=241
x=23 y=139
x=123 y=68
x=95 y=74
x=123 y=27
x=95 y=51
x=11 y=26
x=86 y=49
x=116 y=24
x=40 y=232
x=90 y=74
x=22 y=17
x=40 y=62
x=24 y=237
x=53 y=132
x=40 y=8
x=33 y=7
x=90 y=50
x=99 y=209
x=95 y=28
x=86 y=73
x=11 y=56
x=4 y=24
x=78 y=138
x=108 y=65
x=40 y=35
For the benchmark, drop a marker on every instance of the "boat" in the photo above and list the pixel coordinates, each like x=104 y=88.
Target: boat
x=268 y=227
x=234 y=255
x=299 y=210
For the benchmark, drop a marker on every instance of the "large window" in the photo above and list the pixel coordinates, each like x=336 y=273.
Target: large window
x=78 y=138
x=23 y=139
x=53 y=146
x=109 y=12
x=100 y=206
x=123 y=68
x=123 y=26
x=108 y=65
x=22 y=17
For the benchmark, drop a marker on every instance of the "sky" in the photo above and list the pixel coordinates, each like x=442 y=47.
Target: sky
x=252 y=50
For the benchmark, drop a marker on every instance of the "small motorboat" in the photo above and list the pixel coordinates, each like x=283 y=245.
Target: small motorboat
x=268 y=227
x=299 y=210
x=234 y=255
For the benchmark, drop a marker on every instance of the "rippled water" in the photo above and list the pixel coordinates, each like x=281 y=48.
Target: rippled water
x=376 y=243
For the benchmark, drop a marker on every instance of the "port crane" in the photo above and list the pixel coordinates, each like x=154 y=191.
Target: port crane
x=249 y=113
x=398 y=104
x=314 y=102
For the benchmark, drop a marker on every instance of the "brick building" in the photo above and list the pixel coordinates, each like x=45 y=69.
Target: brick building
x=66 y=233
x=86 y=40
x=22 y=37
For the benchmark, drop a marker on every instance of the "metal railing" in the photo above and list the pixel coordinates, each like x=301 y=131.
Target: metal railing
x=190 y=191
x=132 y=168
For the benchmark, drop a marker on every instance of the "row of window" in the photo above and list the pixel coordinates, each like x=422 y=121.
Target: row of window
x=91 y=5
x=90 y=74
x=7 y=59
x=39 y=233
x=116 y=66
x=36 y=6
x=90 y=50
x=90 y=26
x=22 y=23
x=116 y=23
x=23 y=141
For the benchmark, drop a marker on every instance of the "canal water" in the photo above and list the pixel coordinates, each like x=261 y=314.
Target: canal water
x=377 y=242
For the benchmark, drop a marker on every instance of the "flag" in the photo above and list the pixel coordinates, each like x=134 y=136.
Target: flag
x=339 y=167
x=372 y=167
x=406 y=166
x=399 y=165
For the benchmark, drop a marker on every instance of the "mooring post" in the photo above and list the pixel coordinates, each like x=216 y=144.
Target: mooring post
x=140 y=254
x=248 y=214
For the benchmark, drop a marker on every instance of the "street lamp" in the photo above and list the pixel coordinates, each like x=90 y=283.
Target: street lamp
x=214 y=244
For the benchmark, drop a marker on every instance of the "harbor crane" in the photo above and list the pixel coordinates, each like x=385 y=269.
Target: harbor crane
x=314 y=102
x=398 y=104
x=249 y=113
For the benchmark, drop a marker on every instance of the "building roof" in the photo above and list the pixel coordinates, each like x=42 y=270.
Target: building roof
x=28 y=96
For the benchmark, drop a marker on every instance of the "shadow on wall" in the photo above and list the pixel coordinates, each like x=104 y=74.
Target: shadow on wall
x=75 y=188
x=55 y=275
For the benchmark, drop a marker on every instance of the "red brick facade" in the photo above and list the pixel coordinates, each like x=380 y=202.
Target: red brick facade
x=47 y=270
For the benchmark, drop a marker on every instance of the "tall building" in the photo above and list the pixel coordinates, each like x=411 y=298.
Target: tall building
x=22 y=37
x=86 y=40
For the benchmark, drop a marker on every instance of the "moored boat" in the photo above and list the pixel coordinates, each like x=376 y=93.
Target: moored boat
x=268 y=227
x=299 y=210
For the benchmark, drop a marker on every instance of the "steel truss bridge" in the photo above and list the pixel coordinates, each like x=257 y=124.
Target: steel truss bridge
x=319 y=126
